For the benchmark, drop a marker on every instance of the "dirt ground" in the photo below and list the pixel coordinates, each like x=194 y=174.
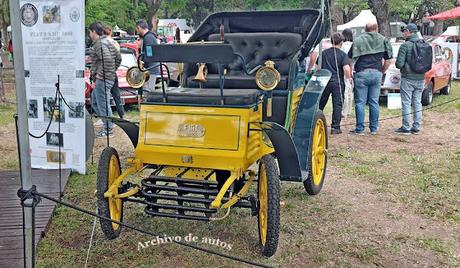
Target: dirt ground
x=388 y=201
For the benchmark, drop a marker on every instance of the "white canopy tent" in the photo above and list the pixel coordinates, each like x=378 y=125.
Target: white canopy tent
x=451 y=30
x=359 y=22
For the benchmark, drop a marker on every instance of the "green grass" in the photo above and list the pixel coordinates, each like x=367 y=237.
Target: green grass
x=428 y=183
x=436 y=245
x=6 y=113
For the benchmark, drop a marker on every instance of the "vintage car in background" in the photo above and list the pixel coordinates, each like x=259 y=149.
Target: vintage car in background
x=129 y=53
x=437 y=80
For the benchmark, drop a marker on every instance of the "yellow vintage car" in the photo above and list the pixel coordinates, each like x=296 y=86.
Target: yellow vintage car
x=243 y=115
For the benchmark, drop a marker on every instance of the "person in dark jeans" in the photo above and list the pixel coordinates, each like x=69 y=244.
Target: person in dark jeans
x=338 y=63
x=115 y=91
x=368 y=52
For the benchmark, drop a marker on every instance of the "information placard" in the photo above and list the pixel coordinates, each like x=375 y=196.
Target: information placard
x=54 y=45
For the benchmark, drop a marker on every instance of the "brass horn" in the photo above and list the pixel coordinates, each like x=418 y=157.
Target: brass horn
x=201 y=74
x=136 y=76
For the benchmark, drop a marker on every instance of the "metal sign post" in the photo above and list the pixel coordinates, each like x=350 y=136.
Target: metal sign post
x=23 y=129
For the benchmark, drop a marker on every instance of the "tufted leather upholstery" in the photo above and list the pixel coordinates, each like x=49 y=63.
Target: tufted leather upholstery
x=256 y=48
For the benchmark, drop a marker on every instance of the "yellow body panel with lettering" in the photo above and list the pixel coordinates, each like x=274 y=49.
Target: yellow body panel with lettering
x=200 y=137
x=192 y=130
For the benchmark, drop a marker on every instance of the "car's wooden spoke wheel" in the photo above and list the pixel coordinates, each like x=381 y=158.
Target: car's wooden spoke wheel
x=108 y=171
x=317 y=160
x=114 y=203
x=269 y=205
x=318 y=152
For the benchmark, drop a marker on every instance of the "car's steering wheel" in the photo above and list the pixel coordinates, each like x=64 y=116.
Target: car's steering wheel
x=245 y=67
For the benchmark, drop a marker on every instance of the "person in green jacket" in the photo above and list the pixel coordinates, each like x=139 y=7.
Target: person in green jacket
x=371 y=53
x=412 y=84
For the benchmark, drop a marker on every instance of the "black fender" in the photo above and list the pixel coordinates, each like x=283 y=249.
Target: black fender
x=130 y=128
x=285 y=151
x=305 y=115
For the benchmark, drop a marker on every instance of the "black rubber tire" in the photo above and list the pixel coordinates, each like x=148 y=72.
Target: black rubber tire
x=427 y=94
x=308 y=183
x=102 y=187
x=89 y=135
x=273 y=206
x=446 y=90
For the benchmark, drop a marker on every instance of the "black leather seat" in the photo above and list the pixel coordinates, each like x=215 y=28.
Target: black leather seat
x=256 y=48
x=206 y=96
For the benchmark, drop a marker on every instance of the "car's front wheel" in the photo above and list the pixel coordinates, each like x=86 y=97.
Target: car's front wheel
x=446 y=90
x=427 y=95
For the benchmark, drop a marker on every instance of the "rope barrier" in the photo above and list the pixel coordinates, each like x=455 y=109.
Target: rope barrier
x=399 y=116
x=32 y=193
x=49 y=123
x=90 y=241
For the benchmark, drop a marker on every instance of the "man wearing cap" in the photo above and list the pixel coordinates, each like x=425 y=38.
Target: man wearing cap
x=412 y=83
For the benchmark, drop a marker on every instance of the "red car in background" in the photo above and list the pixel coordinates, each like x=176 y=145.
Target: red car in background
x=437 y=80
x=129 y=53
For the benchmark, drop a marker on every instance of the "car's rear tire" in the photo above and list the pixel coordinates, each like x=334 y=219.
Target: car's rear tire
x=427 y=95
x=446 y=90
x=108 y=171
x=317 y=160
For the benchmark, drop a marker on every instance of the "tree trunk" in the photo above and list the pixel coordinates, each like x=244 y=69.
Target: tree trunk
x=4 y=20
x=438 y=25
x=337 y=15
x=152 y=6
x=381 y=11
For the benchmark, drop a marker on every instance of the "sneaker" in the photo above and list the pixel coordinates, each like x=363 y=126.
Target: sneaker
x=103 y=134
x=402 y=131
x=99 y=123
x=373 y=132
x=415 y=131
x=359 y=133
x=336 y=131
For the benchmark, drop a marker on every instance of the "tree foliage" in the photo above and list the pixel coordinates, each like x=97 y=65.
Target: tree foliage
x=123 y=13
x=351 y=8
x=196 y=10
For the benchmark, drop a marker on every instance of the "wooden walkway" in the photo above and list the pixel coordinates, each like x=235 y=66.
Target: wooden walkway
x=11 y=240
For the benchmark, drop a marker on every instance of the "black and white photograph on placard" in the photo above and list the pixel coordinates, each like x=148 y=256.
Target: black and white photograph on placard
x=32 y=111
x=54 y=139
x=77 y=110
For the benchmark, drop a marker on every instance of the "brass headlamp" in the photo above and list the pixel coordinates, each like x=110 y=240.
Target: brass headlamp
x=267 y=78
x=136 y=76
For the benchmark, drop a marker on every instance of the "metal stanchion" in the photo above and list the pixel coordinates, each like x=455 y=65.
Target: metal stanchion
x=23 y=133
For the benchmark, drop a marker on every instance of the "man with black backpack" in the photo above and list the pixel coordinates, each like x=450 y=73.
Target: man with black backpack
x=414 y=60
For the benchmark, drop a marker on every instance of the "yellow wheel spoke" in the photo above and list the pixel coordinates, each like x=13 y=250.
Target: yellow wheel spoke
x=318 y=152
x=263 y=204
x=115 y=205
